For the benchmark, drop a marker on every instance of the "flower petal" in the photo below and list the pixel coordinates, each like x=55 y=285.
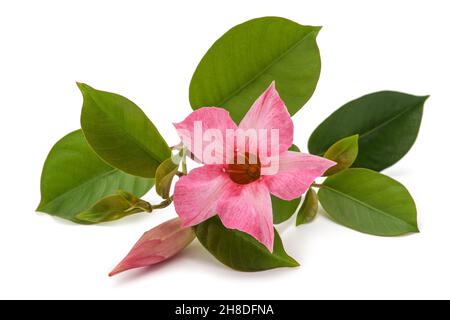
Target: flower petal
x=194 y=131
x=248 y=208
x=269 y=112
x=296 y=172
x=197 y=194
x=156 y=245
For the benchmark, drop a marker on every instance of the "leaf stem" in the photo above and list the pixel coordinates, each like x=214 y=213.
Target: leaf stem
x=178 y=146
x=317 y=185
x=163 y=204
x=183 y=165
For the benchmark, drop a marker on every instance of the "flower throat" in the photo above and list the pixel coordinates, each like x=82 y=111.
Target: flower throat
x=246 y=172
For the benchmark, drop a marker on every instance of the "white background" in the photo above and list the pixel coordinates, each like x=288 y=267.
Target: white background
x=147 y=51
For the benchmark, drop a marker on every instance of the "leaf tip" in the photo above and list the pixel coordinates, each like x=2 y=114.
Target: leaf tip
x=414 y=227
x=40 y=207
x=316 y=30
x=294 y=263
x=83 y=86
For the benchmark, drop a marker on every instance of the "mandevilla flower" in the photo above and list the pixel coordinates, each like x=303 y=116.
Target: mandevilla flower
x=239 y=192
x=101 y=172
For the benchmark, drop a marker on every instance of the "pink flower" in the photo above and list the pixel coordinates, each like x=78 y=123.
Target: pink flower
x=156 y=245
x=240 y=193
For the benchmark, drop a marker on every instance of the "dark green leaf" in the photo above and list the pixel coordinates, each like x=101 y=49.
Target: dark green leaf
x=114 y=207
x=344 y=153
x=165 y=174
x=74 y=178
x=369 y=202
x=387 y=123
x=239 y=250
x=282 y=210
x=244 y=61
x=294 y=148
x=120 y=133
x=308 y=209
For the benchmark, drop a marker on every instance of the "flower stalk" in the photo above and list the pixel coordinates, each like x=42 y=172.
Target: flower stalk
x=162 y=204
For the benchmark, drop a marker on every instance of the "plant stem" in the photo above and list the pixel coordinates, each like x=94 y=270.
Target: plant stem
x=163 y=204
x=177 y=146
x=183 y=165
x=317 y=185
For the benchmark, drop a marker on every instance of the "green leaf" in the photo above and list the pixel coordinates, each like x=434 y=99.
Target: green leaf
x=282 y=210
x=120 y=133
x=387 y=123
x=113 y=208
x=369 y=202
x=165 y=174
x=294 y=148
x=244 y=61
x=344 y=153
x=308 y=209
x=239 y=250
x=74 y=178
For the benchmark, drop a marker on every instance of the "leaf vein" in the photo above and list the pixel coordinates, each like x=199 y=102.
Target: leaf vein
x=260 y=73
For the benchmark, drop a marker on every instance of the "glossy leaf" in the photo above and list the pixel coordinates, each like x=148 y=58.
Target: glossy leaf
x=165 y=174
x=344 y=153
x=246 y=59
x=114 y=207
x=239 y=250
x=74 y=178
x=157 y=245
x=369 y=202
x=387 y=123
x=120 y=133
x=308 y=209
x=282 y=210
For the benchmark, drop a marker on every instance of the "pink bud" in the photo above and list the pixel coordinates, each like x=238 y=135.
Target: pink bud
x=157 y=245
